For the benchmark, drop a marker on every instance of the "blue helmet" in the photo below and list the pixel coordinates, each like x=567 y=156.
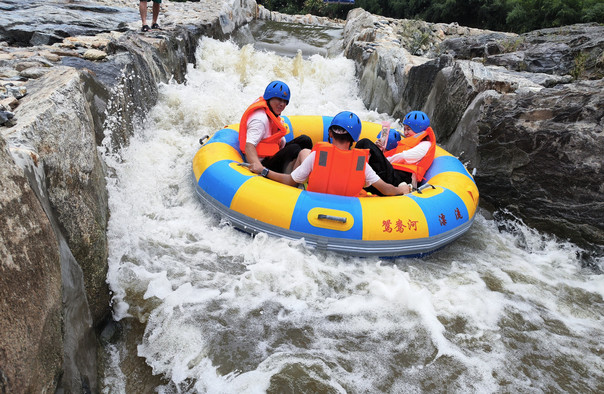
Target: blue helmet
x=417 y=120
x=349 y=122
x=277 y=89
x=393 y=138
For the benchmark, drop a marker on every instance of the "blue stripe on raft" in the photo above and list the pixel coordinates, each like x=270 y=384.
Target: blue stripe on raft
x=446 y=164
x=326 y=122
x=289 y=136
x=227 y=136
x=222 y=182
x=443 y=212
x=310 y=200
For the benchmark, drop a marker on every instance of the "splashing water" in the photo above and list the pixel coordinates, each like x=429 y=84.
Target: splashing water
x=224 y=312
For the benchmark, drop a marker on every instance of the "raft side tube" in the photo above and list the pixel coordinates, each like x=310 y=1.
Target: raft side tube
x=359 y=248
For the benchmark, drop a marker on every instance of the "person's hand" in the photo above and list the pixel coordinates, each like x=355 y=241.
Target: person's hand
x=378 y=143
x=404 y=188
x=256 y=167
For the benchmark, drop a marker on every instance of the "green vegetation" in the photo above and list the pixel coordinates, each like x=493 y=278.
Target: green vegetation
x=517 y=16
x=579 y=69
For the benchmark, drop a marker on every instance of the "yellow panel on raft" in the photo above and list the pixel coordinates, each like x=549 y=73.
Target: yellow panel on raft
x=312 y=126
x=392 y=218
x=210 y=154
x=370 y=130
x=440 y=152
x=461 y=185
x=265 y=200
x=313 y=219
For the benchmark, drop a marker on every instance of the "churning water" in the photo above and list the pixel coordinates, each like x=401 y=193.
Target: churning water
x=502 y=309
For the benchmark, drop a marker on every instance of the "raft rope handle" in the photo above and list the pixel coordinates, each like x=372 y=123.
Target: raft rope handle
x=330 y=217
x=203 y=139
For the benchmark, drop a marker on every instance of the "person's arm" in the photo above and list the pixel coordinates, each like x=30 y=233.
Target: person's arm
x=390 y=190
x=251 y=156
x=413 y=155
x=282 y=178
x=299 y=175
x=257 y=129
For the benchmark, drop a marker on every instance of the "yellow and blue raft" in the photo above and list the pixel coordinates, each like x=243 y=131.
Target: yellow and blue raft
x=441 y=210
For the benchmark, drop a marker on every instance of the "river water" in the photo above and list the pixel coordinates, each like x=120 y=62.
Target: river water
x=502 y=309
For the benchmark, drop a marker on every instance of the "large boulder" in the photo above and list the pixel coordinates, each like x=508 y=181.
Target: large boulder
x=516 y=108
x=56 y=120
x=454 y=88
x=31 y=343
x=575 y=50
x=539 y=156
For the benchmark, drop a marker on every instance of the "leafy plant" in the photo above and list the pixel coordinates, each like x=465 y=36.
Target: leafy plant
x=579 y=67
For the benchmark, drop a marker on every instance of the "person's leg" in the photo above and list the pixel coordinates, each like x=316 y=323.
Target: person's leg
x=285 y=160
x=303 y=141
x=156 y=5
x=280 y=160
x=305 y=144
x=301 y=157
x=378 y=161
x=402 y=176
x=382 y=166
x=142 y=8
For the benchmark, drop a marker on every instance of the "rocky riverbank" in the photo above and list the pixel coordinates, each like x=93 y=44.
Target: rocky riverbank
x=526 y=111
x=64 y=96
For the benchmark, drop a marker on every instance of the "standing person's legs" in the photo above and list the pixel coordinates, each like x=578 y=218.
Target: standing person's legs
x=142 y=9
x=156 y=5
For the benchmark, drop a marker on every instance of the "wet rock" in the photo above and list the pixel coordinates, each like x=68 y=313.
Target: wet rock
x=51 y=57
x=94 y=54
x=9 y=103
x=264 y=14
x=27 y=64
x=55 y=21
x=552 y=51
x=13 y=89
x=34 y=72
x=539 y=155
x=6 y=118
x=30 y=287
x=74 y=172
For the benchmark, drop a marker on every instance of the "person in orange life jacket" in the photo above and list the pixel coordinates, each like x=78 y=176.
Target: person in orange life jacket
x=414 y=122
x=262 y=133
x=345 y=128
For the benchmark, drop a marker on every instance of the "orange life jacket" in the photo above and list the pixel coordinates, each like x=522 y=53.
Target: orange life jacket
x=337 y=171
x=419 y=168
x=270 y=145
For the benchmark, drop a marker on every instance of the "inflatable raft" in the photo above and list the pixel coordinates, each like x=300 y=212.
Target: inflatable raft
x=441 y=210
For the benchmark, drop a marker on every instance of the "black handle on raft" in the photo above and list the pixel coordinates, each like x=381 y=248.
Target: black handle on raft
x=203 y=139
x=330 y=217
x=422 y=187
